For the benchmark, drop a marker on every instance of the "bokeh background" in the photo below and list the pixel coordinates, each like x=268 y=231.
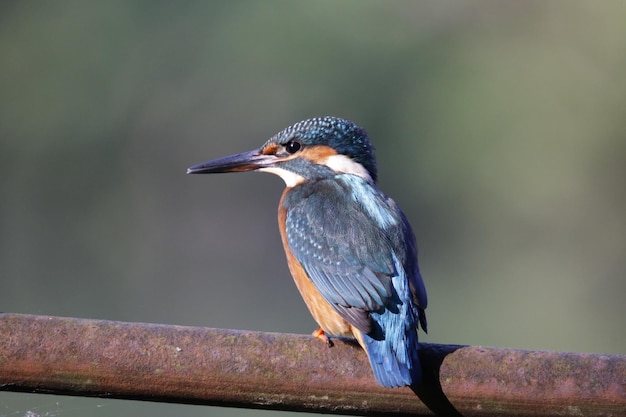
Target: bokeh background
x=499 y=129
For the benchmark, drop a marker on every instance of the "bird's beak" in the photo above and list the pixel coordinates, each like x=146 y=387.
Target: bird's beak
x=246 y=161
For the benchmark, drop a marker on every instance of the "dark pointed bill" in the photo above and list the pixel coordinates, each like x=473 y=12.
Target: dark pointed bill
x=246 y=161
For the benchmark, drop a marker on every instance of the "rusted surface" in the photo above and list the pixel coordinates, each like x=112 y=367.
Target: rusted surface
x=555 y=383
x=292 y=372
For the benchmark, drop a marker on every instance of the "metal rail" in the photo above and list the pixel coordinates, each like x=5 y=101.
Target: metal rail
x=153 y=362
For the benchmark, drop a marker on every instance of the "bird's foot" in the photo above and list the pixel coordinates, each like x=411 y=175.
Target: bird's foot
x=321 y=335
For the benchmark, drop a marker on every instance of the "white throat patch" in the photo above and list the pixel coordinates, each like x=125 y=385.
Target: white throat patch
x=291 y=178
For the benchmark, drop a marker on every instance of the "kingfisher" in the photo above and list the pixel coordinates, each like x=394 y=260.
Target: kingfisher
x=350 y=249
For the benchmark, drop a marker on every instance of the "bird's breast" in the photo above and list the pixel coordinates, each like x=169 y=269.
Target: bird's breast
x=323 y=313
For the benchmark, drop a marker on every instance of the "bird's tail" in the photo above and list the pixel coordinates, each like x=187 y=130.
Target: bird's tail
x=394 y=359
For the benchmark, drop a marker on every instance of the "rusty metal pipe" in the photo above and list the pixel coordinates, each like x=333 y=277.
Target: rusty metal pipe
x=292 y=372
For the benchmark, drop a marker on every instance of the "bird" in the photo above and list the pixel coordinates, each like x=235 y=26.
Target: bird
x=349 y=247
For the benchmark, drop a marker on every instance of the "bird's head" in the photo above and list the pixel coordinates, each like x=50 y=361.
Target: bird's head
x=310 y=149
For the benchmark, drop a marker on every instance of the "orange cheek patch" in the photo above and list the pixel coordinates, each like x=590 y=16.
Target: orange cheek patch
x=318 y=154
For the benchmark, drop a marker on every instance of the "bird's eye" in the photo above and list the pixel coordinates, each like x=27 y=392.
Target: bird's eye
x=293 y=146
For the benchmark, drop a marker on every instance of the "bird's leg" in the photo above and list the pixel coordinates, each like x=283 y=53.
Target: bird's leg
x=321 y=335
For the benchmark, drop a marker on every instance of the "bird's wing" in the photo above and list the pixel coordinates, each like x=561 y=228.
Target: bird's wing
x=416 y=284
x=347 y=237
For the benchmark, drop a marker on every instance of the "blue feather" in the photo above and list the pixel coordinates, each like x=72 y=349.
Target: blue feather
x=394 y=359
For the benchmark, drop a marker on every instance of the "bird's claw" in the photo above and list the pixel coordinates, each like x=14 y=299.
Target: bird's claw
x=321 y=335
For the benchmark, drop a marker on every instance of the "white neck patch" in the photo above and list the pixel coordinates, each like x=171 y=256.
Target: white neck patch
x=291 y=178
x=345 y=165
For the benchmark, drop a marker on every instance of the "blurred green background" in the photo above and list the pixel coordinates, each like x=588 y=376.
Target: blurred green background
x=499 y=129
